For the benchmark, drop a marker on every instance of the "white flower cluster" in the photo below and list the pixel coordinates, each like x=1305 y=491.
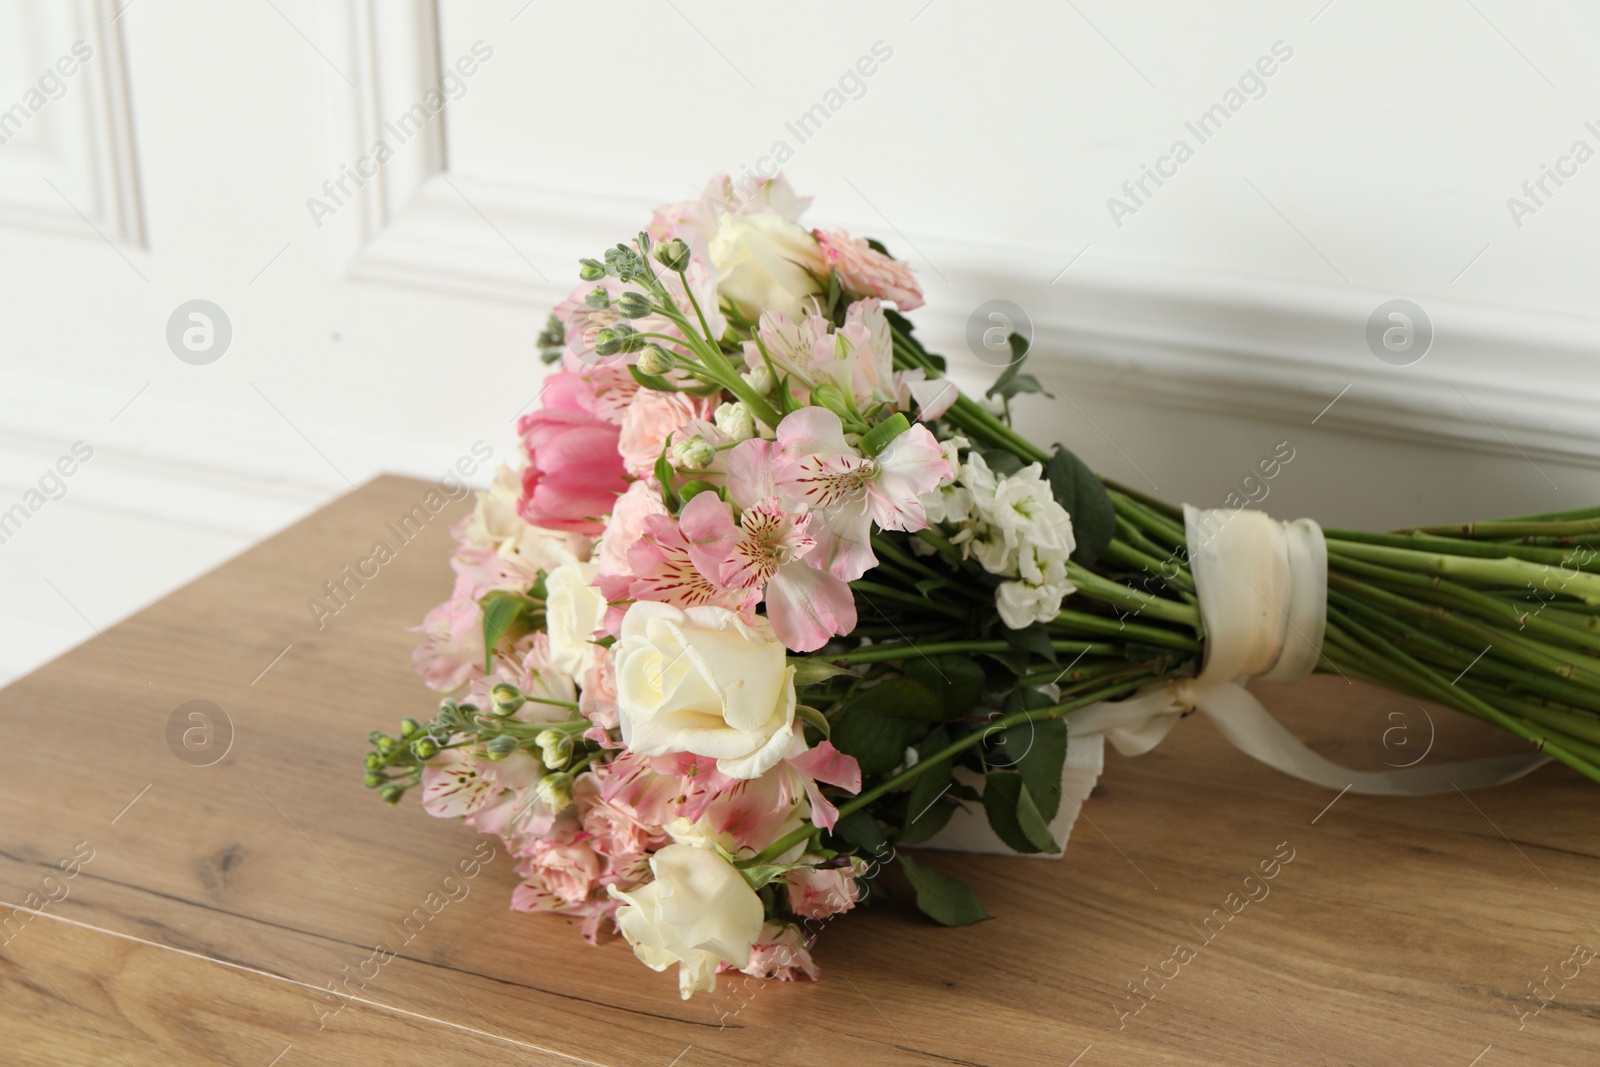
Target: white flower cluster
x=1013 y=526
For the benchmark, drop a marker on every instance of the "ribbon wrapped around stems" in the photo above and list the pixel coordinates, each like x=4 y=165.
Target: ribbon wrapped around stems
x=1262 y=587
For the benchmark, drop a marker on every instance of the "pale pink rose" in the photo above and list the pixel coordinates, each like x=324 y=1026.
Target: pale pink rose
x=865 y=271
x=816 y=893
x=781 y=952
x=451 y=650
x=568 y=870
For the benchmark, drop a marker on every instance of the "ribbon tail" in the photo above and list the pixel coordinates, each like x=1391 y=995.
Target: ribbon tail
x=1240 y=718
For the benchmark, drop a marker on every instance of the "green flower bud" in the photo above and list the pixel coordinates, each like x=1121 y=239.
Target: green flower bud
x=387 y=746
x=597 y=298
x=374 y=779
x=591 y=270
x=655 y=360
x=555 y=748
x=507 y=698
x=673 y=254
x=500 y=747
x=424 y=748
x=634 y=305
x=555 y=791
x=832 y=397
x=392 y=793
x=374 y=761
x=410 y=728
x=374 y=736
x=692 y=453
x=610 y=340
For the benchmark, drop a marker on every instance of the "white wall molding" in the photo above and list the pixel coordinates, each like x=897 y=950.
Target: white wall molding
x=76 y=154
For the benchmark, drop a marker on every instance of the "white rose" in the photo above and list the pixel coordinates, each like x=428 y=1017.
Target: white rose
x=702 y=680
x=574 y=610
x=698 y=912
x=765 y=263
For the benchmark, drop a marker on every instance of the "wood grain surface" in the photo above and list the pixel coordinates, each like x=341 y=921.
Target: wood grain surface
x=220 y=899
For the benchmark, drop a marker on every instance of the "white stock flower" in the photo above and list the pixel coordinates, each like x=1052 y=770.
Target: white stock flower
x=734 y=419
x=765 y=263
x=698 y=912
x=574 y=610
x=702 y=680
x=1014 y=527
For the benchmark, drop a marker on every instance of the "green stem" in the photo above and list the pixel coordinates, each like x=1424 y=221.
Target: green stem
x=885 y=653
x=950 y=751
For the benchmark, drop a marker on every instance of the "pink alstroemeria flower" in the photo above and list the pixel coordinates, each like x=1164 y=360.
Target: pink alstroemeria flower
x=846 y=492
x=766 y=549
x=664 y=571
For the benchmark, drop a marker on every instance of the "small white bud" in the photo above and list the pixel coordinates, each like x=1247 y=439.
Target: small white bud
x=734 y=419
x=759 y=378
x=654 y=360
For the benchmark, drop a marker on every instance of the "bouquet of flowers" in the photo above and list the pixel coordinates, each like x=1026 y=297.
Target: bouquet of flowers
x=768 y=595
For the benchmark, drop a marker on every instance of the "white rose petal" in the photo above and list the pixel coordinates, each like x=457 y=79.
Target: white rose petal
x=704 y=681
x=698 y=912
x=574 y=610
x=765 y=263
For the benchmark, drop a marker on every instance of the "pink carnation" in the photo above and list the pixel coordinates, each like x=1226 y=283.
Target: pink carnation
x=864 y=270
x=651 y=417
x=568 y=870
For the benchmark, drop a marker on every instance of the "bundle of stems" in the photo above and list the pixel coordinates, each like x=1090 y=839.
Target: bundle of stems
x=1500 y=620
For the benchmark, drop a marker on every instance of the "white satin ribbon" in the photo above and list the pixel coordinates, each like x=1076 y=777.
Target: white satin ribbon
x=1263 y=591
x=1262 y=587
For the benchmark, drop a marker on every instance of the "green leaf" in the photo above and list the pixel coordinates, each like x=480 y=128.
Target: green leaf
x=1013 y=815
x=899 y=698
x=1094 y=521
x=1034 y=639
x=1036 y=751
x=1019 y=353
x=945 y=900
x=693 y=489
x=787 y=404
x=1001 y=461
x=1021 y=383
x=878 y=438
x=502 y=609
x=812 y=717
x=877 y=741
x=669 y=496
x=811 y=671
x=958 y=680
x=762 y=874
x=877 y=246
x=927 y=810
x=862 y=832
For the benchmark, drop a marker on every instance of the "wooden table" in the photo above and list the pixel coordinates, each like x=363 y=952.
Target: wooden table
x=221 y=899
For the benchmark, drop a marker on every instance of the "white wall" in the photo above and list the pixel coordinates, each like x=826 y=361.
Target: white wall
x=1221 y=316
